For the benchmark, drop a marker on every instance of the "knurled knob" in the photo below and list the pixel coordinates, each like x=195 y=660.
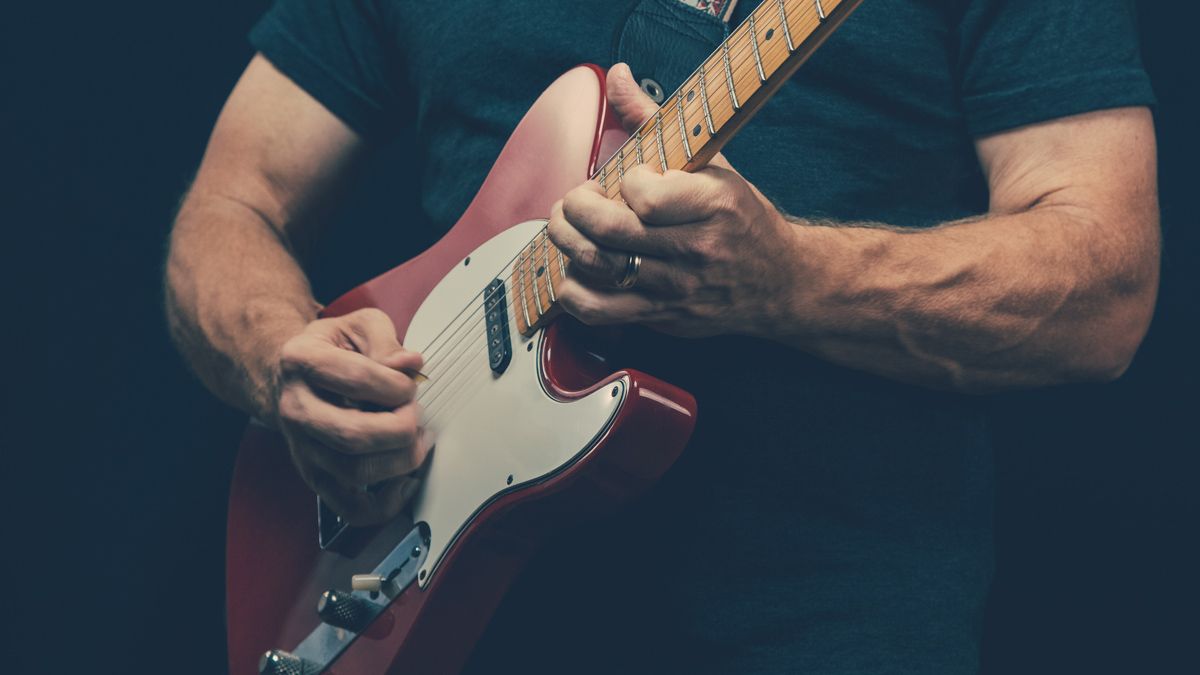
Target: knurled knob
x=343 y=610
x=279 y=662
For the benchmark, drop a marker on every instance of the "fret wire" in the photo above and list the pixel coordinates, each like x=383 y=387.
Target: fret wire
x=740 y=62
x=637 y=143
x=820 y=11
x=662 y=153
x=546 y=266
x=729 y=75
x=743 y=59
x=787 y=34
x=524 y=302
x=559 y=252
x=687 y=148
x=562 y=267
x=537 y=297
x=621 y=164
x=704 y=101
x=702 y=72
x=757 y=56
x=731 y=86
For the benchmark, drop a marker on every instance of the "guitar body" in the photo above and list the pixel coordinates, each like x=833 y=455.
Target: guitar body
x=558 y=435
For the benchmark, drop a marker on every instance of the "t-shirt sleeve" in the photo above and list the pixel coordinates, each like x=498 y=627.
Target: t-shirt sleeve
x=1028 y=61
x=340 y=52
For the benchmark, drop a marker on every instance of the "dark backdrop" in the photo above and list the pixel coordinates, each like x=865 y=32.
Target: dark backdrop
x=120 y=513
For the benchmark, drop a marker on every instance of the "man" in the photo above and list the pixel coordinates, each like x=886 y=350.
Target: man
x=950 y=198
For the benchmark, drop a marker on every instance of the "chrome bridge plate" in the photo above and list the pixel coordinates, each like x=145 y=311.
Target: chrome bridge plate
x=398 y=569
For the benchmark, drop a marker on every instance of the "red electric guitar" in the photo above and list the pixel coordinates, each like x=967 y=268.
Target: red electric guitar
x=533 y=426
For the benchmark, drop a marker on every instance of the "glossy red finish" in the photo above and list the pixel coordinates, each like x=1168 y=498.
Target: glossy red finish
x=275 y=570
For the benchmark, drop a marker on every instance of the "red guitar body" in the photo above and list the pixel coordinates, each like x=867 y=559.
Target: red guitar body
x=276 y=569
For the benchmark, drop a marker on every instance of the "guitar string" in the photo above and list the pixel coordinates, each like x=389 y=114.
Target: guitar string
x=530 y=251
x=740 y=57
x=744 y=53
x=451 y=389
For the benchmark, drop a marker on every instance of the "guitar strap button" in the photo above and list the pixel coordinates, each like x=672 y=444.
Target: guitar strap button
x=653 y=89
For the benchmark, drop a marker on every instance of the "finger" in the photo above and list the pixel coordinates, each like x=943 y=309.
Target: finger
x=349 y=430
x=348 y=373
x=406 y=361
x=595 y=262
x=613 y=224
x=600 y=266
x=632 y=105
x=361 y=507
x=371 y=332
x=678 y=197
x=352 y=470
x=598 y=307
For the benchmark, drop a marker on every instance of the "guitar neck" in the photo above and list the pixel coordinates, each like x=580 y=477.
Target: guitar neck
x=694 y=122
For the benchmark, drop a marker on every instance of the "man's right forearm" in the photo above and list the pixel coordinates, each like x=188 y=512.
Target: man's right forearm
x=235 y=293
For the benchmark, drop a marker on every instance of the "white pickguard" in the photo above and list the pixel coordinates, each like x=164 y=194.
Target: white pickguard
x=487 y=427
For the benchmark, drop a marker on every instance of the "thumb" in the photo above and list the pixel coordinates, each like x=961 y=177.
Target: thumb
x=632 y=105
x=403 y=359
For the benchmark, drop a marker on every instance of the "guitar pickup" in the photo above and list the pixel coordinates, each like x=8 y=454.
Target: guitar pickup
x=499 y=344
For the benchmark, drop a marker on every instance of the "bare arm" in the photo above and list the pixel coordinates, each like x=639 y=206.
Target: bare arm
x=241 y=311
x=235 y=289
x=1055 y=284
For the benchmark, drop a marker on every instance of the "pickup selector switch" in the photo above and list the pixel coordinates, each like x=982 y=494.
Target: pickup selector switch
x=343 y=610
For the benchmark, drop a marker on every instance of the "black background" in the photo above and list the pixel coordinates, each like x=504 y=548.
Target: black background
x=117 y=522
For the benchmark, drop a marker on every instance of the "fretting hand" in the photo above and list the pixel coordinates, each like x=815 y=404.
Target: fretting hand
x=715 y=253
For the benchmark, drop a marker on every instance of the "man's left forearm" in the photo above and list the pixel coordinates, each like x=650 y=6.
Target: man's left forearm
x=1041 y=297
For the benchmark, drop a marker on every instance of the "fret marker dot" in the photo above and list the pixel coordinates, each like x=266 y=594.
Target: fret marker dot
x=540 y=270
x=770 y=33
x=691 y=95
x=696 y=130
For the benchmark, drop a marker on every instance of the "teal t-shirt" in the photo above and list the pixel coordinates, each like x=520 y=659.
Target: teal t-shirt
x=822 y=520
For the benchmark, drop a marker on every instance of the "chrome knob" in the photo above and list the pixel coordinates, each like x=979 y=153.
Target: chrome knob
x=343 y=610
x=279 y=662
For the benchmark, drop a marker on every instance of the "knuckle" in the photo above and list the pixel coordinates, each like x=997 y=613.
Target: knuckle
x=705 y=247
x=684 y=285
x=724 y=204
x=557 y=231
x=575 y=306
x=370 y=323
x=293 y=355
x=351 y=437
x=570 y=203
x=646 y=202
x=367 y=315
x=591 y=259
x=357 y=373
x=291 y=408
x=587 y=312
